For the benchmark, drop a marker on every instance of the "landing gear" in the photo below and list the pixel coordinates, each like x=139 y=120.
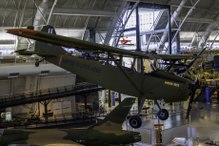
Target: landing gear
x=163 y=114
x=135 y=121
x=37 y=63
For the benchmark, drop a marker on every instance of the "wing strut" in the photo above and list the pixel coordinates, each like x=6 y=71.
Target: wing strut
x=125 y=74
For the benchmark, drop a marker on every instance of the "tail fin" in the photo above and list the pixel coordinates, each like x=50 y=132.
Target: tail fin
x=116 y=118
x=43 y=49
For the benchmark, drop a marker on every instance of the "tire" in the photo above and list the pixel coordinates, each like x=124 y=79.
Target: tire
x=135 y=121
x=163 y=114
x=37 y=64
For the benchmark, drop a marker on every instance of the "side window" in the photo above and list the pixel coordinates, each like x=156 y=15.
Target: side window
x=50 y=30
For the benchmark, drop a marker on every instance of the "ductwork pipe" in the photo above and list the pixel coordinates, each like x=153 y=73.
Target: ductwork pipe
x=212 y=26
x=41 y=13
x=174 y=17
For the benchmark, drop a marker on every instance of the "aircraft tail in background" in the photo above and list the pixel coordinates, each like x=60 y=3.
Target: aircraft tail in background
x=116 y=118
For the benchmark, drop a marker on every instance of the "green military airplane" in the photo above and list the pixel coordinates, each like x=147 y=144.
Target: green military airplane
x=107 y=132
x=156 y=85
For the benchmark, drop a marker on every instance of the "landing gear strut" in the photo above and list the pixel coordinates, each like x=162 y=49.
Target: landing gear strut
x=163 y=114
x=37 y=63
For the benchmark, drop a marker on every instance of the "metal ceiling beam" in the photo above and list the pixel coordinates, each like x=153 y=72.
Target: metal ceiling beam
x=197 y=20
x=212 y=26
x=174 y=16
x=51 y=11
x=187 y=15
x=121 y=26
x=119 y=14
x=195 y=39
x=40 y=14
x=83 y=12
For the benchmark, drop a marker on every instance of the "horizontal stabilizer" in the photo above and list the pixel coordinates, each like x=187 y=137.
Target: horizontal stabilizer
x=25 y=52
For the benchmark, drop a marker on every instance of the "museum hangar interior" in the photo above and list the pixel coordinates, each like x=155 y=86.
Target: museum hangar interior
x=163 y=53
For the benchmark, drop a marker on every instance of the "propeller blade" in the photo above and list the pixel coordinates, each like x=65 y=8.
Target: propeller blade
x=190 y=104
x=194 y=87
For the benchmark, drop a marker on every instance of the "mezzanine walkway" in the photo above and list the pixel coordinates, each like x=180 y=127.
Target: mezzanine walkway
x=48 y=94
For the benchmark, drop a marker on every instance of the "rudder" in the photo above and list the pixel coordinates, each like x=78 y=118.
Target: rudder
x=47 y=48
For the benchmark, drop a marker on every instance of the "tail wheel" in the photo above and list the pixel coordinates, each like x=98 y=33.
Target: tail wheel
x=37 y=63
x=135 y=122
x=163 y=114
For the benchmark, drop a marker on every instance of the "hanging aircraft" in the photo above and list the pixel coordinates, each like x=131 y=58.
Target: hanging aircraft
x=107 y=132
x=125 y=41
x=156 y=85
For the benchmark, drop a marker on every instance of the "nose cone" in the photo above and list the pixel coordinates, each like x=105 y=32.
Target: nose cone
x=22 y=32
x=14 y=31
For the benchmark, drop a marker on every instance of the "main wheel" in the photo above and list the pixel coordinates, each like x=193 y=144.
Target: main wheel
x=135 y=122
x=37 y=63
x=163 y=114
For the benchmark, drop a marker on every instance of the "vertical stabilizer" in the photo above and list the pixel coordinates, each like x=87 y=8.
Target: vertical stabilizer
x=116 y=118
x=47 y=48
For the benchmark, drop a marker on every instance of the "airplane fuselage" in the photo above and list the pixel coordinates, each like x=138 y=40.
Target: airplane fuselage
x=155 y=85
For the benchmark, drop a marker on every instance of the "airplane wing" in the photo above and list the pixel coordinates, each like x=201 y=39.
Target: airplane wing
x=85 y=45
x=208 y=52
x=176 y=56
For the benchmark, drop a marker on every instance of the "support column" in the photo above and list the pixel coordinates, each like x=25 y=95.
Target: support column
x=138 y=41
x=208 y=95
x=45 y=103
x=119 y=94
x=40 y=17
x=138 y=48
x=170 y=23
x=1 y=110
x=85 y=103
x=170 y=31
x=113 y=98
x=177 y=43
x=212 y=26
x=92 y=35
x=109 y=98
x=217 y=96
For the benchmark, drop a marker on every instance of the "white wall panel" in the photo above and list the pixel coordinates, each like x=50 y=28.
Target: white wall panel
x=57 y=81
x=63 y=106
x=4 y=87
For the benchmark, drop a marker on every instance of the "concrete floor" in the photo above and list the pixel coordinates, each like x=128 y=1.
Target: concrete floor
x=202 y=127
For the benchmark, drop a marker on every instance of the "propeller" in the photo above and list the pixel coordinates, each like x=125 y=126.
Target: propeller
x=196 y=84
x=193 y=88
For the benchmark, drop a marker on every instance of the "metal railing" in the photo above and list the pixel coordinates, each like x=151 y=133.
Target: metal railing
x=47 y=94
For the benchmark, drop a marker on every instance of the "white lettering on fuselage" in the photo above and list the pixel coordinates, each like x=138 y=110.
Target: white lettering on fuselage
x=171 y=83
